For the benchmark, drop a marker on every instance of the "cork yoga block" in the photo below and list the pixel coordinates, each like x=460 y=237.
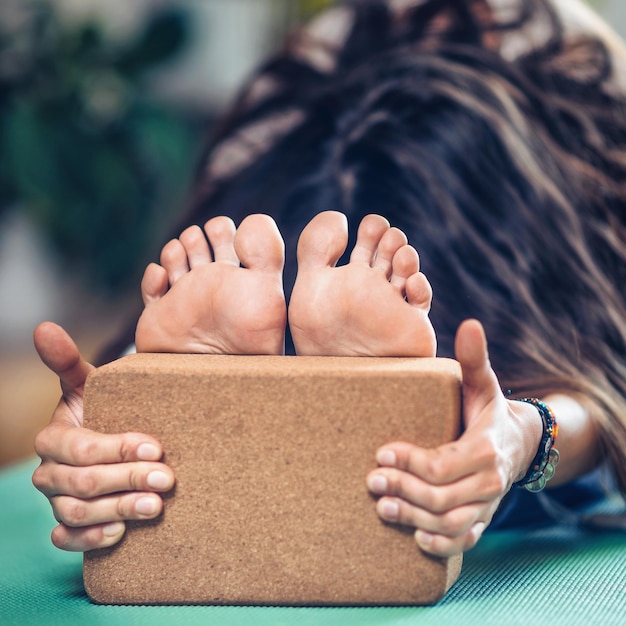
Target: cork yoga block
x=271 y=454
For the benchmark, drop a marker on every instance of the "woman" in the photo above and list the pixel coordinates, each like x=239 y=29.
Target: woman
x=494 y=136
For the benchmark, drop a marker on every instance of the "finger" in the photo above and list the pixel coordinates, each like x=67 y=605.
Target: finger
x=481 y=487
x=85 y=539
x=439 y=466
x=78 y=513
x=453 y=522
x=443 y=546
x=59 y=353
x=54 y=479
x=80 y=446
x=480 y=384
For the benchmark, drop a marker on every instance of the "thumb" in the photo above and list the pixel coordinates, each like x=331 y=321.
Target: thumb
x=59 y=353
x=480 y=384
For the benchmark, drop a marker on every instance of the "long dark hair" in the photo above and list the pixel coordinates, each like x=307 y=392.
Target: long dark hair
x=508 y=176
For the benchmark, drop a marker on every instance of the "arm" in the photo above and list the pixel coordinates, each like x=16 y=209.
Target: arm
x=578 y=441
x=450 y=494
x=93 y=481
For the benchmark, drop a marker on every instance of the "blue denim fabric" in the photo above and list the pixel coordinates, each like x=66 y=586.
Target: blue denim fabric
x=568 y=504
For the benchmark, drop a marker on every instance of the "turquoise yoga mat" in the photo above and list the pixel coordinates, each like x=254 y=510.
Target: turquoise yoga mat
x=558 y=575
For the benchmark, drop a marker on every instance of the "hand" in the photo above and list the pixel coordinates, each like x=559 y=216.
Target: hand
x=93 y=481
x=449 y=494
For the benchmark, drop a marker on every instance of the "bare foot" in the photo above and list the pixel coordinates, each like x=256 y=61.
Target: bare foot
x=376 y=305
x=228 y=301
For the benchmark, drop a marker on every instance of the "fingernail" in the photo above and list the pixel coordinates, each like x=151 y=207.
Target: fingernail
x=389 y=509
x=423 y=538
x=477 y=530
x=113 y=530
x=146 y=506
x=148 y=452
x=377 y=483
x=386 y=457
x=159 y=480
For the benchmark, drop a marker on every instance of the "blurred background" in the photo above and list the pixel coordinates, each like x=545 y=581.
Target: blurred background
x=104 y=108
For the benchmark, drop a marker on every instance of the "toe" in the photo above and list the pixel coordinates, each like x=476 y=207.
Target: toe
x=259 y=245
x=419 y=293
x=174 y=260
x=323 y=240
x=371 y=231
x=404 y=264
x=392 y=240
x=154 y=283
x=196 y=246
x=221 y=233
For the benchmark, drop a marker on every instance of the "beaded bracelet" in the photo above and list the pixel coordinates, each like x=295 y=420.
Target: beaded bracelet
x=542 y=468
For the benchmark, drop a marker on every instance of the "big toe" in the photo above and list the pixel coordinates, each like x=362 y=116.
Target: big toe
x=323 y=240
x=259 y=245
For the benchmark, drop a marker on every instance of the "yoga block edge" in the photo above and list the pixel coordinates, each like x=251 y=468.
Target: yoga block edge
x=270 y=455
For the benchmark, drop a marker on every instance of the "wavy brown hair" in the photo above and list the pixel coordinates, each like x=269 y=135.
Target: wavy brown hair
x=508 y=176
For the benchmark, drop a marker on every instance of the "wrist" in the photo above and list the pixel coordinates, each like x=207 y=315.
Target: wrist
x=546 y=459
x=527 y=440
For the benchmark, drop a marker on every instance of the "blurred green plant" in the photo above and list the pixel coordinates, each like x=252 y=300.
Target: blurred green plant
x=311 y=7
x=85 y=150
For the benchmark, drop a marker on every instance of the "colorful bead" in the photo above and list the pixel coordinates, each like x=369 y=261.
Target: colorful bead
x=547 y=458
